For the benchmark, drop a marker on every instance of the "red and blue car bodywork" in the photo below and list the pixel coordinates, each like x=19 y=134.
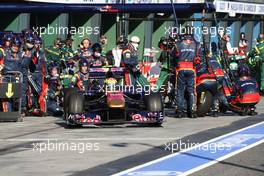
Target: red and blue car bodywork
x=115 y=105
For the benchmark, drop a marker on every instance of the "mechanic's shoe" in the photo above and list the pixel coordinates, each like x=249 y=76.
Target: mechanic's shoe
x=214 y=114
x=179 y=114
x=23 y=112
x=192 y=115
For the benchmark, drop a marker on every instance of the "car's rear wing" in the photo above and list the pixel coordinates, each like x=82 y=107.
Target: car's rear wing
x=101 y=73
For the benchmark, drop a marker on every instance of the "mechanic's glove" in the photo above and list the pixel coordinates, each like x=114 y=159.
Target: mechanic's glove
x=83 y=88
x=57 y=94
x=47 y=78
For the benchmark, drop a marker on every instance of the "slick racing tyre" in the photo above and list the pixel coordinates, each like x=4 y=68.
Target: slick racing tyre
x=153 y=102
x=75 y=103
x=204 y=103
x=75 y=106
x=66 y=99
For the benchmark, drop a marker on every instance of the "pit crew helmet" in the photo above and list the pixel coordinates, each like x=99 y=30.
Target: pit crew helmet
x=135 y=41
x=8 y=37
x=233 y=66
x=29 y=38
x=16 y=41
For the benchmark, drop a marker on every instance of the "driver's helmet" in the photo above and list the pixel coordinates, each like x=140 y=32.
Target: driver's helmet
x=110 y=84
x=233 y=66
x=110 y=81
x=243 y=70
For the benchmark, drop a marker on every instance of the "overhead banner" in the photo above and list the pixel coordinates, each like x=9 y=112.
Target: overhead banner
x=239 y=7
x=116 y=1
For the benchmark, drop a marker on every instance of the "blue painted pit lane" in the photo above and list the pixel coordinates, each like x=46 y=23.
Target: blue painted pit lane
x=201 y=155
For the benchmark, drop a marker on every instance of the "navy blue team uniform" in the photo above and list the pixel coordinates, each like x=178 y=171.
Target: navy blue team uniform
x=187 y=53
x=54 y=92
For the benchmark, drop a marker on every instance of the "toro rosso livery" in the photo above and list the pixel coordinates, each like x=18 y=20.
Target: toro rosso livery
x=107 y=100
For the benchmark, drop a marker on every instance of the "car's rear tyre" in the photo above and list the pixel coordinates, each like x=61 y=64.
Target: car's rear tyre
x=154 y=102
x=204 y=103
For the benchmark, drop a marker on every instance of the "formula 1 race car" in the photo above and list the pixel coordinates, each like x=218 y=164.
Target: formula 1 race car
x=10 y=96
x=112 y=103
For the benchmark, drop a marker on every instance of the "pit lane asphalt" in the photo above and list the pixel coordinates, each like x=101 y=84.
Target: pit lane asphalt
x=119 y=147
